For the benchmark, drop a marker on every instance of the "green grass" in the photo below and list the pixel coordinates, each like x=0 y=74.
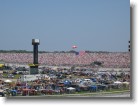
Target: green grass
x=4 y=75
x=106 y=91
x=15 y=76
x=80 y=94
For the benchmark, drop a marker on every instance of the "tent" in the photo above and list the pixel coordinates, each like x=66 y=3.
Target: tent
x=117 y=82
x=71 y=88
x=93 y=88
x=126 y=83
x=67 y=83
x=8 y=81
x=14 y=92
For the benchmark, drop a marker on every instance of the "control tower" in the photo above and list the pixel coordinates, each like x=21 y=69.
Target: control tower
x=34 y=66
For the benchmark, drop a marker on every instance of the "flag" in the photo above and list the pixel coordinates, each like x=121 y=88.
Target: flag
x=80 y=53
x=77 y=53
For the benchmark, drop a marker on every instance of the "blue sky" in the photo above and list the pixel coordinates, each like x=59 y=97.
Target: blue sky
x=96 y=25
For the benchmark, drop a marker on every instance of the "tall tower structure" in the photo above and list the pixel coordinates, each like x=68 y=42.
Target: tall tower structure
x=34 y=66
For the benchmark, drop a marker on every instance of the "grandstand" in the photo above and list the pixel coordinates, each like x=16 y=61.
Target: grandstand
x=108 y=59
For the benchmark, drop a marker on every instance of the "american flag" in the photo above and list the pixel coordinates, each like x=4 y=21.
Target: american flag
x=80 y=53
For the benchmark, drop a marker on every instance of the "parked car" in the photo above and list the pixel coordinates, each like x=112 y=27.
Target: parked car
x=10 y=76
x=2 y=93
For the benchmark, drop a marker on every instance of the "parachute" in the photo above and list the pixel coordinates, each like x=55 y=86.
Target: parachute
x=74 y=47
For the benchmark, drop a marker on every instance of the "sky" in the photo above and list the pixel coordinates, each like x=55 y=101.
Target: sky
x=95 y=25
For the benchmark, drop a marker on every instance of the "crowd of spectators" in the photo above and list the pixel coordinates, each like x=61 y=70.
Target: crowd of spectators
x=110 y=59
